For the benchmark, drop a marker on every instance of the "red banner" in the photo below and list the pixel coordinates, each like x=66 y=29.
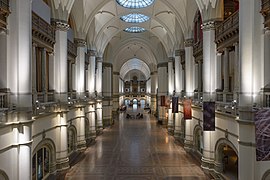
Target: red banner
x=187 y=109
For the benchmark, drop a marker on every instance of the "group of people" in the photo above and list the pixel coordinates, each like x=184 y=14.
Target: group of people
x=138 y=116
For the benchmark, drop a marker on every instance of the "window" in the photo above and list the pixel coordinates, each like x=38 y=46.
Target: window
x=135 y=4
x=134 y=18
x=135 y=29
x=40 y=164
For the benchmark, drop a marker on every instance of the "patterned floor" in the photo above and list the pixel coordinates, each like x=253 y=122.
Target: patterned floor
x=136 y=149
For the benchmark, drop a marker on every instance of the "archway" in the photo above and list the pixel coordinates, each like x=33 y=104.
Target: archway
x=198 y=140
x=266 y=175
x=226 y=160
x=72 y=140
x=3 y=175
x=44 y=159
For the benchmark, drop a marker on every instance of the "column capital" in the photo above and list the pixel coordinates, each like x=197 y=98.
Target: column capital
x=60 y=24
x=179 y=52
x=99 y=59
x=80 y=42
x=188 y=42
x=91 y=52
x=153 y=73
x=163 y=64
x=209 y=25
x=3 y=31
x=171 y=59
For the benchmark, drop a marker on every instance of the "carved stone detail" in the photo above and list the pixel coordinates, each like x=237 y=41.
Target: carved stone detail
x=91 y=52
x=60 y=24
x=189 y=42
x=80 y=42
x=209 y=25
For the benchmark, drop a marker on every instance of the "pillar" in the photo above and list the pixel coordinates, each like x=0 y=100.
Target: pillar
x=189 y=67
x=251 y=82
x=61 y=65
x=91 y=73
x=209 y=85
x=226 y=70
x=80 y=68
x=219 y=71
x=154 y=86
x=162 y=91
x=99 y=93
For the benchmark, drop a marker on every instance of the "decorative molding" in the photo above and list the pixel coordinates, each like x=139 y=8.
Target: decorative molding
x=80 y=42
x=248 y=144
x=171 y=59
x=116 y=73
x=60 y=24
x=189 y=42
x=99 y=59
x=91 y=52
x=209 y=25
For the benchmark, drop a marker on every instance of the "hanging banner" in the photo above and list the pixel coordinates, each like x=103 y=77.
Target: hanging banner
x=209 y=116
x=162 y=100
x=187 y=109
x=262 y=136
x=174 y=104
x=167 y=102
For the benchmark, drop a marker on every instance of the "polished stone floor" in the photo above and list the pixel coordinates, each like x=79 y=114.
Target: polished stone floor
x=136 y=149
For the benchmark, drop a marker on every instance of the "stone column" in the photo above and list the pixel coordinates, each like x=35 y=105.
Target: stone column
x=219 y=71
x=80 y=68
x=44 y=73
x=251 y=82
x=17 y=75
x=209 y=85
x=189 y=67
x=237 y=72
x=34 y=72
x=196 y=73
x=60 y=66
x=200 y=70
x=51 y=74
x=116 y=91
x=178 y=89
x=107 y=88
x=170 y=92
x=226 y=70
x=154 y=86
x=91 y=73
x=99 y=93
x=81 y=140
x=162 y=91
x=3 y=59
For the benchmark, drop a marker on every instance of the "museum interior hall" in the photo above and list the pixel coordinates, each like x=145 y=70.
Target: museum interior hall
x=135 y=89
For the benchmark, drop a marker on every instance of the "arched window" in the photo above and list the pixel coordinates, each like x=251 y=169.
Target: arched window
x=230 y=6
x=41 y=163
x=71 y=139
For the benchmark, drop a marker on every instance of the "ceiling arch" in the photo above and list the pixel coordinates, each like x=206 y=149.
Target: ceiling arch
x=132 y=64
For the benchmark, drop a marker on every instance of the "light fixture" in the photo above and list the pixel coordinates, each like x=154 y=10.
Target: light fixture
x=135 y=4
x=135 y=18
x=135 y=29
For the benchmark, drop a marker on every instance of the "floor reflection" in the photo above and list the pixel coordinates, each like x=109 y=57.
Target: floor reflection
x=135 y=149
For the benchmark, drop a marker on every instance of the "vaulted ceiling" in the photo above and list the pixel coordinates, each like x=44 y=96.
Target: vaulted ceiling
x=98 y=21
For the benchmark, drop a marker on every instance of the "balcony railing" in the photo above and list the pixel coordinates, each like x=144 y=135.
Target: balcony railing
x=266 y=12
x=3 y=100
x=42 y=31
x=4 y=12
x=227 y=31
x=72 y=50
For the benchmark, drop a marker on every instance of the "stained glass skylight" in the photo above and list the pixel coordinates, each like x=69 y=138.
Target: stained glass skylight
x=134 y=29
x=135 y=4
x=134 y=18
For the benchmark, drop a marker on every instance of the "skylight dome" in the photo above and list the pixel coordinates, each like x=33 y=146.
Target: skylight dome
x=135 y=4
x=134 y=18
x=134 y=29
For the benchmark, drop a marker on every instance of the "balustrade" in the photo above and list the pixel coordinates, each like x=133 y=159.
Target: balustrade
x=227 y=31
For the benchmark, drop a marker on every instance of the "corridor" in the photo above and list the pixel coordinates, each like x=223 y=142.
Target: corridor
x=136 y=149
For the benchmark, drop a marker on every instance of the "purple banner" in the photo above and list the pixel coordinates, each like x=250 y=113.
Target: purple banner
x=209 y=116
x=262 y=130
x=174 y=104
